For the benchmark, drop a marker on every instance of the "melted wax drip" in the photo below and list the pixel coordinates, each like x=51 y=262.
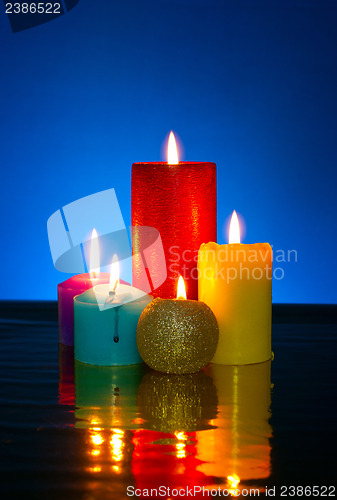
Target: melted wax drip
x=116 y=336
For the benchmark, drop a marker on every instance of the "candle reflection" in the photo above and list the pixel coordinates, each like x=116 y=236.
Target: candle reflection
x=66 y=386
x=166 y=459
x=237 y=450
x=106 y=411
x=149 y=429
x=107 y=396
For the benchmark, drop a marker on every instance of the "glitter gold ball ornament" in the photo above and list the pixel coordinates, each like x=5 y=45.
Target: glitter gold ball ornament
x=177 y=336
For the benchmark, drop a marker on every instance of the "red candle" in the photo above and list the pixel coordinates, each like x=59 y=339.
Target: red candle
x=178 y=199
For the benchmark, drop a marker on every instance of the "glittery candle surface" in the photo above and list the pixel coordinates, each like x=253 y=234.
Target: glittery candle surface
x=177 y=336
x=180 y=202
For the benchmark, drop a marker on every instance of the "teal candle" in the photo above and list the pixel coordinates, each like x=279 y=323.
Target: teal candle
x=105 y=324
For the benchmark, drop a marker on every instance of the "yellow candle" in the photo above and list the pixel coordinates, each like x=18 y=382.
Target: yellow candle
x=235 y=281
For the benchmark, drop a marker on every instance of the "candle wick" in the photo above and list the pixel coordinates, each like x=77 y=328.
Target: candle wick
x=113 y=291
x=116 y=336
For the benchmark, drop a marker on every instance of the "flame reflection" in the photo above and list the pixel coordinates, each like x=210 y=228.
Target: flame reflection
x=116 y=443
x=232 y=483
x=97 y=438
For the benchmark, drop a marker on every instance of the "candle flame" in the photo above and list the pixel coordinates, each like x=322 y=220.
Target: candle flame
x=172 y=150
x=181 y=289
x=114 y=274
x=94 y=255
x=234 y=229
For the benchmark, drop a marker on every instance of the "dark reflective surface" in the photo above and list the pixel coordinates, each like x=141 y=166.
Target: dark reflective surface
x=77 y=431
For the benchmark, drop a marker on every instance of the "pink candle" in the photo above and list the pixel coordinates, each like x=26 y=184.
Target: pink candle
x=66 y=292
x=76 y=285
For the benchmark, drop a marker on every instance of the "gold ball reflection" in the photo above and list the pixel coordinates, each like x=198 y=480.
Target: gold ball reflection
x=173 y=403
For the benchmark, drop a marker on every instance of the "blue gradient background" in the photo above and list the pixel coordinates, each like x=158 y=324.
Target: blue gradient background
x=250 y=85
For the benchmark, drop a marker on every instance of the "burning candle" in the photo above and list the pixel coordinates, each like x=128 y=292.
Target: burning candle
x=105 y=319
x=179 y=200
x=235 y=280
x=75 y=285
x=177 y=335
